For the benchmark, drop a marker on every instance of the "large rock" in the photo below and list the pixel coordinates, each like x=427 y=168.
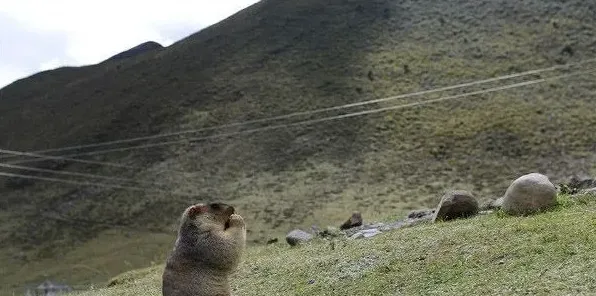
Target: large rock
x=529 y=194
x=297 y=236
x=456 y=204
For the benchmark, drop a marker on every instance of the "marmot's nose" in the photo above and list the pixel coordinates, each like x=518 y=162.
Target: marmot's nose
x=231 y=210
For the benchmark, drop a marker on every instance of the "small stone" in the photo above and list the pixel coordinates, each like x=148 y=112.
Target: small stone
x=365 y=233
x=357 y=235
x=354 y=221
x=417 y=214
x=298 y=236
x=376 y=225
x=370 y=232
x=329 y=232
x=492 y=204
x=392 y=226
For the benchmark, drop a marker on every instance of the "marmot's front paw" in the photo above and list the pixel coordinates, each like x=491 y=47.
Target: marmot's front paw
x=236 y=221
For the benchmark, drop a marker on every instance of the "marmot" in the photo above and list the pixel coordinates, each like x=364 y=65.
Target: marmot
x=210 y=243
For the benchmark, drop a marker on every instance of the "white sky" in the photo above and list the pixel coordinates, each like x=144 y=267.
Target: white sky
x=38 y=35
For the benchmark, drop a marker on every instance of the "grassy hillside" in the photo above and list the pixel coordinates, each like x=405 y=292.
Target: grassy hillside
x=277 y=57
x=547 y=254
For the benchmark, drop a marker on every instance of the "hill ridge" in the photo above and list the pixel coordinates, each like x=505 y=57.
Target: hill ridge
x=136 y=50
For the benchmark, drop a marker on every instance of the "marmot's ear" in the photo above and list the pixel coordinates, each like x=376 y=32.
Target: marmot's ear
x=197 y=209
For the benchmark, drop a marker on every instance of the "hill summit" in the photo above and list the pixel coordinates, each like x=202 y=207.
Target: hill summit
x=139 y=49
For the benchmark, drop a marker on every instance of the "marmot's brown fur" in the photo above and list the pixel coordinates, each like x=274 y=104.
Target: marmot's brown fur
x=210 y=243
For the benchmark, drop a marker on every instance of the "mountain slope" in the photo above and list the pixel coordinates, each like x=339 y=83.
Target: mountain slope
x=277 y=57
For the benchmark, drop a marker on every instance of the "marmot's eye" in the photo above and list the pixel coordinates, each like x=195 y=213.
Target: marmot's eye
x=215 y=206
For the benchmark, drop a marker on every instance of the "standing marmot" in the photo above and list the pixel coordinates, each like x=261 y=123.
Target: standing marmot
x=210 y=242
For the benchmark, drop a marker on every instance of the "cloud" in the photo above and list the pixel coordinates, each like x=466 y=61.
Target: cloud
x=50 y=65
x=9 y=74
x=41 y=34
x=23 y=50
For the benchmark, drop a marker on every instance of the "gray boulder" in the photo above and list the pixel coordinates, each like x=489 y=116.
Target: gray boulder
x=456 y=204
x=529 y=194
x=297 y=236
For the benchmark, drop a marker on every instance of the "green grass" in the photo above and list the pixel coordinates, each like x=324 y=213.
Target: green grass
x=551 y=253
x=103 y=257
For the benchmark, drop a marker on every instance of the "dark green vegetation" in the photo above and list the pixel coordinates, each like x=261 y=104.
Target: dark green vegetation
x=545 y=254
x=278 y=57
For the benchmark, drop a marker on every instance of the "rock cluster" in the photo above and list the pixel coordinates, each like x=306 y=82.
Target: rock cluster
x=528 y=194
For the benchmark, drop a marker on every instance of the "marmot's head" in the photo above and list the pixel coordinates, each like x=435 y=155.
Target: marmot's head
x=212 y=215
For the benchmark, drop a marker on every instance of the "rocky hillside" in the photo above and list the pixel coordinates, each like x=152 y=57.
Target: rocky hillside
x=274 y=58
x=496 y=254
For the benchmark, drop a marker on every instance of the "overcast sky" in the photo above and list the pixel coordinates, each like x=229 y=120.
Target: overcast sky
x=38 y=35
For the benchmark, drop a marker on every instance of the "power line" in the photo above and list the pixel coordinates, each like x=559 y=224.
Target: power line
x=77 y=221
x=324 y=119
x=133 y=180
x=316 y=111
x=52 y=157
x=77 y=174
x=95 y=184
x=64 y=158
